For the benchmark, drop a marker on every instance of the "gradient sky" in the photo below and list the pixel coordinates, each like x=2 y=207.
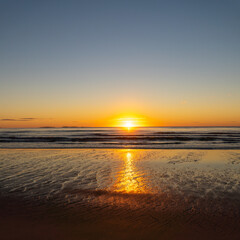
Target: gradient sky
x=86 y=63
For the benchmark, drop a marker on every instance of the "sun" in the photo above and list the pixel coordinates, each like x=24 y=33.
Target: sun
x=128 y=124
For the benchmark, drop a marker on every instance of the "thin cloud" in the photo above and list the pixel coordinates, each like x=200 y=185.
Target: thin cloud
x=17 y=119
x=27 y=119
x=8 y=119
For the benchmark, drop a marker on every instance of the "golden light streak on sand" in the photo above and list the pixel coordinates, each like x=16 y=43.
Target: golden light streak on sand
x=129 y=179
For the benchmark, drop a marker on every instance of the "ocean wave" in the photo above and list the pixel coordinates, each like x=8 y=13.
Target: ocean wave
x=145 y=137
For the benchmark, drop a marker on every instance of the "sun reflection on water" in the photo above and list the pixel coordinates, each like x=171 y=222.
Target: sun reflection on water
x=129 y=179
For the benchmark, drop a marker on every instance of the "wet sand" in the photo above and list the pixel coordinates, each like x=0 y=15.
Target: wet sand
x=120 y=194
x=21 y=220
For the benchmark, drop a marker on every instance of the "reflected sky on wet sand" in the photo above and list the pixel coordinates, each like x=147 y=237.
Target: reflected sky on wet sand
x=50 y=173
x=149 y=189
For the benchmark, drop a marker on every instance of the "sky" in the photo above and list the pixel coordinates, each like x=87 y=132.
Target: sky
x=93 y=62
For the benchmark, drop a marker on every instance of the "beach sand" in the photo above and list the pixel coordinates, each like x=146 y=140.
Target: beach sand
x=119 y=194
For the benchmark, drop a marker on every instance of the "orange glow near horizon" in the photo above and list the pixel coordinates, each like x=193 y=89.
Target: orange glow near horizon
x=125 y=120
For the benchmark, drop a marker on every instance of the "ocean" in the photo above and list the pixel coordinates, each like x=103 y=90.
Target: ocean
x=141 y=138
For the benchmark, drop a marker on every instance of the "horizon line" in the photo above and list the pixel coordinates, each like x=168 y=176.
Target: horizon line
x=227 y=126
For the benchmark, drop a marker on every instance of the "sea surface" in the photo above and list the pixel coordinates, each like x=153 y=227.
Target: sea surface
x=142 y=138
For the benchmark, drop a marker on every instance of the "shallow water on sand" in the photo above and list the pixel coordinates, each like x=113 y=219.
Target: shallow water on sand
x=48 y=173
x=151 y=188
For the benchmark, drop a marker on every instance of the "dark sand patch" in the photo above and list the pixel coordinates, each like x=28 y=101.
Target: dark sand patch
x=133 y=219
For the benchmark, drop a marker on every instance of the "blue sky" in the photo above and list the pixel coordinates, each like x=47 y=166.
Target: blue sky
x=146 y=57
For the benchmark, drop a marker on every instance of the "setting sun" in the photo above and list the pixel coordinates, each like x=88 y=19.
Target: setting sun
x=128 y=124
